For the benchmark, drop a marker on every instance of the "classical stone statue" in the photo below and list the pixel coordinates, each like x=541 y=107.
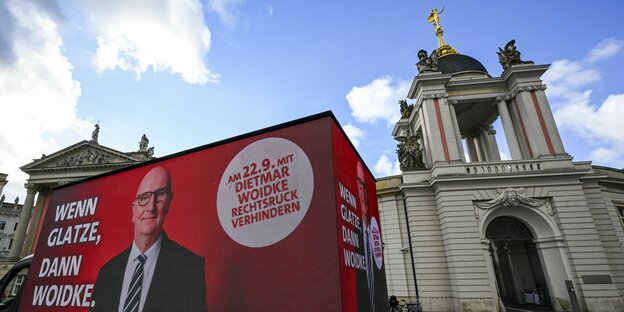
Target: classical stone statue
x=427 y=63
x=16 y=201
x=406 y=110
x=2 y=198
x=95 y=133
x=510 y=55
x=150 y=152
x=143 y=144
x=410 y=154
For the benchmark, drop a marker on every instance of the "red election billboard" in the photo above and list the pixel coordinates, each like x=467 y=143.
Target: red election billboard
x=284 y=219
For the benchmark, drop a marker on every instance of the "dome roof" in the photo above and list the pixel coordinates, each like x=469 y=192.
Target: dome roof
x=455 y=63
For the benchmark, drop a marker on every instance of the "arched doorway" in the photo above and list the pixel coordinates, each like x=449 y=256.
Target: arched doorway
x=519 y=273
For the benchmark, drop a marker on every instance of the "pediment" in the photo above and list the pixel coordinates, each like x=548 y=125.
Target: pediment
x=82 y=154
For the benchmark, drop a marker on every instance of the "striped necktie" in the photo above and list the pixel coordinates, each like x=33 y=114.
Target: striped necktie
x=369 y=271
x=134 y=291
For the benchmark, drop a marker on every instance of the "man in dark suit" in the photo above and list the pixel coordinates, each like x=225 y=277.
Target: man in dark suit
x=369 y=297
x=154 y=273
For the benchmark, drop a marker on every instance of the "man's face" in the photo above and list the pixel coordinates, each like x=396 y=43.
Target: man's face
x=362 y=190
x=151 y=203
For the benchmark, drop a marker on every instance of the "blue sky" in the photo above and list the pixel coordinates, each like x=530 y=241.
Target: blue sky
x=190 y=72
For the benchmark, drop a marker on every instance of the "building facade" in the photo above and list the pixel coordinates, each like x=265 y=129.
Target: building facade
x=9 y=219
x=466 y=231
x=78 y=161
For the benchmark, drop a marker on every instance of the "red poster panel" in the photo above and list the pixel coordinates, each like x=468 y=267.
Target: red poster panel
x=247 y=224
x=361 y=254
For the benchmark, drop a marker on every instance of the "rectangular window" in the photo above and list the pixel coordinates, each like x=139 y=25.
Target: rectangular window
x=15 y=226
x=2 y=225
x=10 y=243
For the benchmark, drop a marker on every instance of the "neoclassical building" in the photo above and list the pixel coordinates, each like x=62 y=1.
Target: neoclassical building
x=466 y=231
x=78 y=161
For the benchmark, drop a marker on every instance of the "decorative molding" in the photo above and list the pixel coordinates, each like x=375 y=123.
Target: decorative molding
x=88 y=156
x=431 y=96
x=80 y=155
x=30 y=188
x=513 y=197
x=517 y=90
x=503 y=98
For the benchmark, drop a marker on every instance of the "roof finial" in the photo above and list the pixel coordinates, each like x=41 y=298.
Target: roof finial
x=443 y=48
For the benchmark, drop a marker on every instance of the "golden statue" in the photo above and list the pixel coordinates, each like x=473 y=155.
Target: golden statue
x=443 y=48
x=434 y=18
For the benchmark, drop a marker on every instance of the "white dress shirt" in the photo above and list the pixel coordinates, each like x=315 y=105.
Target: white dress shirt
x=148 y=271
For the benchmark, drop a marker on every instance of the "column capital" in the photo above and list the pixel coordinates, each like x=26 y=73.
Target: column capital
x=440 y=95
x=30 y=188
x=503 y=98
x=528 y=89
x=489 y=129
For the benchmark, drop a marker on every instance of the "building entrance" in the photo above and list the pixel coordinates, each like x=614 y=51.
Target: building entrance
x=517 y=265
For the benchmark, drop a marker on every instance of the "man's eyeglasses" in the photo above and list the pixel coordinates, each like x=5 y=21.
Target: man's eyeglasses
x=160 y=196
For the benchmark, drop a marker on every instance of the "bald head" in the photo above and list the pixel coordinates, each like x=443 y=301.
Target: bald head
x=150 y=207
x=155 y=179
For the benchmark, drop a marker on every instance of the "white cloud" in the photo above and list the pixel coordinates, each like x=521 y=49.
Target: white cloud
x=601 y=123
x=226 y=12
x=167 y=35
x=605 y=49
x=270 y=10
x=354 y=133
x=570 y=94
x=605 y=155
x=565 y=76
x=377 y=100
x=385 y=167
x=38 y=95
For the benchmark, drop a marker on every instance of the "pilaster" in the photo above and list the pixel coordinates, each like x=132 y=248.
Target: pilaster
x=549 y=120
x=532 y=117
x=444 y=135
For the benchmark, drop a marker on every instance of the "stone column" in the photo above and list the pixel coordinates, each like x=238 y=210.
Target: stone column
x=488 y=139
x=479 y=147
x=18 y=239
x=485 y=144
x=508 y=128
x=3 y=181
x=487 y=245
x=34 y=223
x=472 y=151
